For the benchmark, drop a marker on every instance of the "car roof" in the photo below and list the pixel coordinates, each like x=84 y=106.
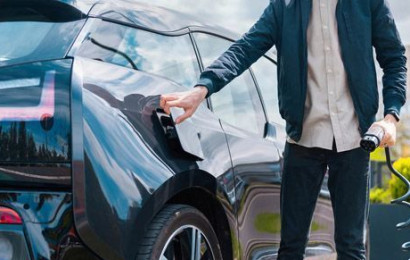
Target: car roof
x=151 y=17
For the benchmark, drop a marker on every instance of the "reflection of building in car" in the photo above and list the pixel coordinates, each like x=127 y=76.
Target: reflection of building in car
x=89 y=172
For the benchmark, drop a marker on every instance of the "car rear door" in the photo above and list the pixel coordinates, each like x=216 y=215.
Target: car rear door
x=255 y=157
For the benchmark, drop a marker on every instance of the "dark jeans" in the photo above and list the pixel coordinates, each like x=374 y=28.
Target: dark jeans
x=348 y=183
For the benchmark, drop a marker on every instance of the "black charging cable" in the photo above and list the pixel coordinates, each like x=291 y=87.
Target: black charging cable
x=370 y=142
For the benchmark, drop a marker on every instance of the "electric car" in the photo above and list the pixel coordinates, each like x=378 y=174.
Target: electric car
x=92 y=168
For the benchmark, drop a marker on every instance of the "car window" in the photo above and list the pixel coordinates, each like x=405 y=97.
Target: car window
x=237 y=103
x=172 y=57
x=33 y=32
x=266 y=76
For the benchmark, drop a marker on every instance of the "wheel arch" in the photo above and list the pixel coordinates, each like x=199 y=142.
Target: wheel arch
x=197 y=189
x=213 y=210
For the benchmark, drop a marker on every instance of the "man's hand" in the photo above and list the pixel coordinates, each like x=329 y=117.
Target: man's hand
x=389 y=126
x=188 y=100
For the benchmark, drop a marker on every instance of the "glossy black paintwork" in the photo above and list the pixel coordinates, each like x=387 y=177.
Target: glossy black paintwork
x=256 y=164
x=83 y=6
x=126 y=153
x=47 y=221
x=55 y=176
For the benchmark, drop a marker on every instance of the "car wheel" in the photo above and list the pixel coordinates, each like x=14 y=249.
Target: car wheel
x=179 y=232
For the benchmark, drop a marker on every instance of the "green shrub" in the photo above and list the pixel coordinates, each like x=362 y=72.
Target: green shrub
x=396 y=186
x=379 y=195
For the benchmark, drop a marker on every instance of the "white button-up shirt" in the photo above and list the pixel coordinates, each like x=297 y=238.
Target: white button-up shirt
x=329 y=111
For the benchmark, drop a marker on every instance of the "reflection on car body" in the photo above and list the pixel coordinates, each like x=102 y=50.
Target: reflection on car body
x=97 y=177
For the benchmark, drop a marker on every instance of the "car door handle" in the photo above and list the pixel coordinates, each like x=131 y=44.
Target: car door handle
x=182 y=139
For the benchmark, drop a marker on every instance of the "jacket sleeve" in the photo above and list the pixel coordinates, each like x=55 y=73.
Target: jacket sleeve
x=390 y=54
x=242 y=54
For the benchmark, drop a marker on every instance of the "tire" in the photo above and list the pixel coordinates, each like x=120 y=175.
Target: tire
x=169 y=236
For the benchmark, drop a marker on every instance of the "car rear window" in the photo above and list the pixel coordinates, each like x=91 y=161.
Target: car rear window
x=34 y=30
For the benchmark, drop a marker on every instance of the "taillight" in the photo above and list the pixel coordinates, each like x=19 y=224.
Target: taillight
x=9 y=216
x=44 y=110
x=13 y=245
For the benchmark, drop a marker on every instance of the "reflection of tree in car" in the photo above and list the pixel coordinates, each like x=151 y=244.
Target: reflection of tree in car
x=17 y=143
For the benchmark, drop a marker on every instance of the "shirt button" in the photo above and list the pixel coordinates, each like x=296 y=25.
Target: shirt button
x=331 y=93
x=322 y=5
x=327 y=48
x=329 y=71
x=325 y=27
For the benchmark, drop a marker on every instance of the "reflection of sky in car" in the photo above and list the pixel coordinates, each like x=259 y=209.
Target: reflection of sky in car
x=233 y=104
x=13 y=37
x=165 y=56
x=170 y=57
x=32 y=40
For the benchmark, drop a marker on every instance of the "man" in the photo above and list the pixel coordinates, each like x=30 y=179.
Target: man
x=328 y=97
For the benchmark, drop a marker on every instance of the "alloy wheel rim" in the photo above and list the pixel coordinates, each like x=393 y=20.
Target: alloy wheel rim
x=187 y=242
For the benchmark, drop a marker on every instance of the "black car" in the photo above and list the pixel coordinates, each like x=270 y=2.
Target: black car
x=91 y=168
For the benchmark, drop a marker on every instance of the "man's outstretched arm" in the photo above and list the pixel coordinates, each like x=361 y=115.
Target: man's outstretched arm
x=242 y=54
x=391 y=57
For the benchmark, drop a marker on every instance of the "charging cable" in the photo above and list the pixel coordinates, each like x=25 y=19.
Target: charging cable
x=370 y=142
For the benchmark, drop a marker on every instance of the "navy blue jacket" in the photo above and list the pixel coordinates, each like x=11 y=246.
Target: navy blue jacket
x=362 y=25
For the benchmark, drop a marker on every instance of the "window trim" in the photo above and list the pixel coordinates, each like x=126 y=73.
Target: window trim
x=260 y=93
x=199 y=29
x=260 y=97
x=200 y=65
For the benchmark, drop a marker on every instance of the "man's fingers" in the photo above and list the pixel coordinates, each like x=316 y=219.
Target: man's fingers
x=386 y=137
x=389 y=144
x=175 y=103
x=169 y=104
x=182 y=118
x=188 y=100
x=388 y=140
x=165 y=98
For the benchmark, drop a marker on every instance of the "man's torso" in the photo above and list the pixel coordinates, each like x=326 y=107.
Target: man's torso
x=329 y=114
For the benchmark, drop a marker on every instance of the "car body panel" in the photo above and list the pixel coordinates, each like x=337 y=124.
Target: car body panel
x=48 y=222
x=126 y=153
x=83 y=6
x=257 y=173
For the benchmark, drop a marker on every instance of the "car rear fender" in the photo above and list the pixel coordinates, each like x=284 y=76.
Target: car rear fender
x=120 y=156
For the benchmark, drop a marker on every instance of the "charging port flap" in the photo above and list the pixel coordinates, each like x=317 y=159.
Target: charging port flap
x=183 y=138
